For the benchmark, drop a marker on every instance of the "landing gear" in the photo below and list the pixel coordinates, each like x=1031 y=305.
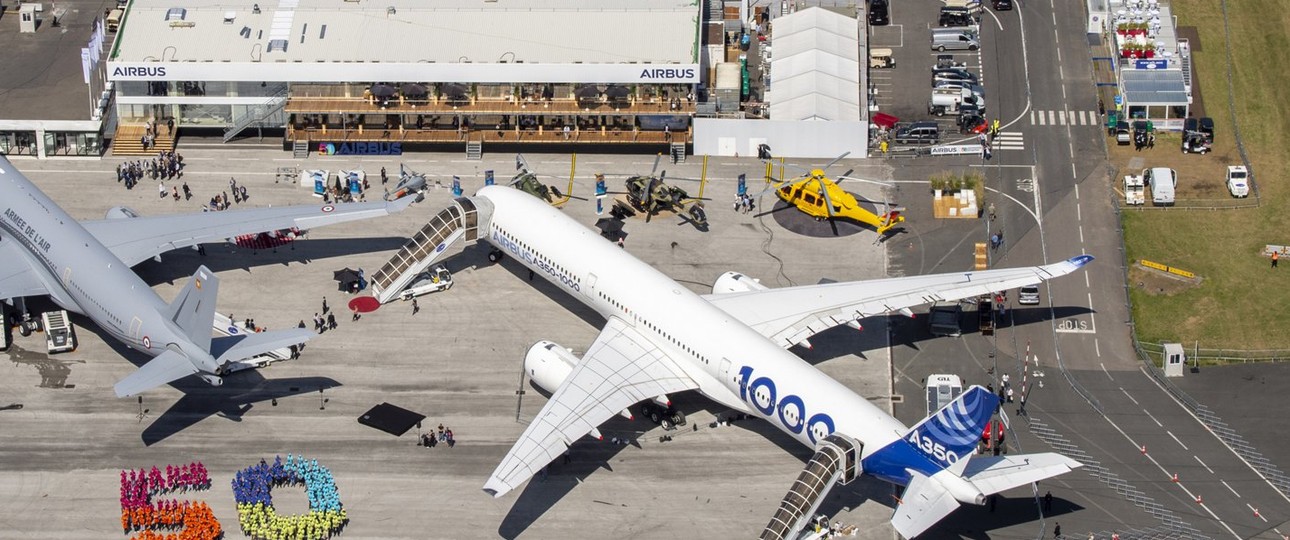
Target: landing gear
x=495 y=256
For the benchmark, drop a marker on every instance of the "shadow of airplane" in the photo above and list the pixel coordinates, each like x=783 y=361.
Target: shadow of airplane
x=971 y=521
x=239 y=393
x=181 y=263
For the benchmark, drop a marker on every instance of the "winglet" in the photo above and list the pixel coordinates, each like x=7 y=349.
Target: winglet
x=398 y=205
x=1080 y=260
x=1067 y=266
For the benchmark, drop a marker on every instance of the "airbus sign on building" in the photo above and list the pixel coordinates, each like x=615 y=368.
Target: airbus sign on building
x=452 y=72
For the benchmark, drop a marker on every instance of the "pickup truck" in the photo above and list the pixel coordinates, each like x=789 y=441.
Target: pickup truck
x=944 y=320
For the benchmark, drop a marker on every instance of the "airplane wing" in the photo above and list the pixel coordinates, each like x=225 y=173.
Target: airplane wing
x=134 y=240
x=17 y=279
x=792 y=314
x=620 y=368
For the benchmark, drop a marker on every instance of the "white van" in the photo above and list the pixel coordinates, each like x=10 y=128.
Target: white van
x=113 y=19
x=941 y=390
x=1163 y=182
x=958 y=40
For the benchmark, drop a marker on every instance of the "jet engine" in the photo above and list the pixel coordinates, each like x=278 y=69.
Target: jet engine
x=121 y=212
x=734 y=282
x=549 y=364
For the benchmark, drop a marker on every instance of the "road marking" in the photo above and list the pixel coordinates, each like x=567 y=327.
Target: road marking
x=243 y=159
x=1092 y=320
x=1256 y=512
x=1108 y=373
x=1153 y=419
x=1202 y=464
x=1050 y=118
x=1086 y=284
x=1079 y=214
x=1077 y=192
x=1098 y=349
x=1230 y=488
x=1081 y=234
x=1061 y=118
x=1180 y=443
x=1127 y=394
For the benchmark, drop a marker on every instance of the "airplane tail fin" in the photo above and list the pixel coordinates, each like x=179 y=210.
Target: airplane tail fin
x=166 y=367
x=193 y=310
x=952 y=433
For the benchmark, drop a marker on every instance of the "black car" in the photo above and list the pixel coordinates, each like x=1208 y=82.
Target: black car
x=879 y=13
x=1003 y=5
x=956 y=19
x=953 y=74
x=918 y=133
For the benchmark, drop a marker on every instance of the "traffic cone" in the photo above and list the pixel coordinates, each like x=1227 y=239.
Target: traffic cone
x=1175 y=478
x=1144 y=449
x=1256 y=513
x=1199 y=500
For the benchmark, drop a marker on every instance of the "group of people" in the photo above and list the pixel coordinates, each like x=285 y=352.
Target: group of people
x=165 y=166
x=252 y=489
x=195 y=521
x=138 y=486
x=744 y=203
x=221 y=200
x=354 y=189
x=429 y=439
x=149 y=137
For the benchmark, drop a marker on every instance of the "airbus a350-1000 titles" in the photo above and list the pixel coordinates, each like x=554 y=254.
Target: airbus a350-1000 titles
x=732 y=346
x=85 y=267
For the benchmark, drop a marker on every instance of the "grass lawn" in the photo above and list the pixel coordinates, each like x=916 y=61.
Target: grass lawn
x=1241 y=303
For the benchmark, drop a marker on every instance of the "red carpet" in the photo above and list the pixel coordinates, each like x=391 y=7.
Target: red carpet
x=364 y=304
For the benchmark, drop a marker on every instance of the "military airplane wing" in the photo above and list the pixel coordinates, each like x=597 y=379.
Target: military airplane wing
x=136 y=239
x=17 y=278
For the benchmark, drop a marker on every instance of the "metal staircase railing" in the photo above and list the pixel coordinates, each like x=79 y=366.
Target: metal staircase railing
x=270 y=106
x=836 y=459
x=460 y=220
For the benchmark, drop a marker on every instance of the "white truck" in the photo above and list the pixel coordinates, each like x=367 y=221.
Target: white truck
x=954 y=101
x=1238 y=181
x=225 y=327
x=59 y=335
x=1163 y=182
x=941 y=390
x=1134 y=190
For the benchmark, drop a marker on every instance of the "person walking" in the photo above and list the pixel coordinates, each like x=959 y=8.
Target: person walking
x=1275 y=256
x=1057 y=530
x=331 y=321
x=415 y=306
x=1048 y=501
x=325 y=308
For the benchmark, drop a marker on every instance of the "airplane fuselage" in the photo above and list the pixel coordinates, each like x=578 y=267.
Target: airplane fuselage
x=79 y=272
x=733 y=364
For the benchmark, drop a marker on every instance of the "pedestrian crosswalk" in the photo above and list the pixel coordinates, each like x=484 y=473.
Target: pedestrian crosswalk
x=1065 y=118
x=1009 y=140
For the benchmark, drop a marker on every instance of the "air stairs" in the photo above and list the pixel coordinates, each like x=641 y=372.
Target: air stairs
x=461 y=220
x=836 y=460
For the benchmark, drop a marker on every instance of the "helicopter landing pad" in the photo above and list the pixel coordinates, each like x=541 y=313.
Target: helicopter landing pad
x=789 y=217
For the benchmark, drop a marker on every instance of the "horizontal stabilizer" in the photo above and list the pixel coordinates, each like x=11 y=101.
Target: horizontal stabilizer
x=924 y=503
x=234 y=348
x=193 y=309
x=167 y=367
x=994 y=474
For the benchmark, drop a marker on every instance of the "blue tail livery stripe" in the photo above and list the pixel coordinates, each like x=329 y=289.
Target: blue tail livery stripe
x=953 y=432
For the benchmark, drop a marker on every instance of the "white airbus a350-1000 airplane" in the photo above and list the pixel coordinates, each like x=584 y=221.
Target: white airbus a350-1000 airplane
x=84 y=266
x=732 y=346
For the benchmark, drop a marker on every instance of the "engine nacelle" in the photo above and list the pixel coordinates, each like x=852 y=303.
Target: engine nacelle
x=733 y=282
x=548 y=364
x=121 y=212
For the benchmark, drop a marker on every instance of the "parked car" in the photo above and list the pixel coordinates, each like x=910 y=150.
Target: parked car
x=955 y=41
x=1002 y=5
x=1122 y=135
x=1028 y=295
x=428 y=282
x=879 y=13
x=953 y=74
x=1238 y=181
x=955 y=19
x=925 y=132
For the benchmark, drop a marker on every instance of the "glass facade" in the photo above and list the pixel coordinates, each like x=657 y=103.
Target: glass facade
x=18 y=143
x=73 y=143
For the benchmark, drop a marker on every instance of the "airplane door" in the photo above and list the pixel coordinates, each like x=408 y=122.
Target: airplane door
x=135 y=326
x=725 y=370
x=591 y=285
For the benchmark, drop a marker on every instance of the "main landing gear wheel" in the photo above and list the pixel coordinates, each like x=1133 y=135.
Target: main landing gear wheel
x=494 y=256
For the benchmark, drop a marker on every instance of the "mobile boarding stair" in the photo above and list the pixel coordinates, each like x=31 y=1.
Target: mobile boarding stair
x=836 y=460
x=462 y=219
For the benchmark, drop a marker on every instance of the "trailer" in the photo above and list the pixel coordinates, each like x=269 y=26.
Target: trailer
x=59 y=335
x=1134 y=190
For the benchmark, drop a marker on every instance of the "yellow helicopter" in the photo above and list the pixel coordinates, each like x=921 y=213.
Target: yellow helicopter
x=814 y=194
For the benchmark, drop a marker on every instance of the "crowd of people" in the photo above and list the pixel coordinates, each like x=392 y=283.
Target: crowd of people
x=194 y=520
x=429 y=439
x=221 y=200
x=252 y=489
x=137 y=487
x=165 y=166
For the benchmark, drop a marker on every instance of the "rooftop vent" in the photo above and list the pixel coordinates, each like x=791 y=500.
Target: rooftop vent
x=277 y=45
x=176 y=14
x=229 y=16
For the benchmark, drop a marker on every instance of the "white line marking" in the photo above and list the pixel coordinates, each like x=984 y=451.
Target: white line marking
x=1077 y=192
x=1180 y=443
x=1153 y=419
x=1230 y=488
x=1050 y=118
x=1202 y=464
x=1108 y=373
x=1032 y=117
x=1128 y=395
x=1081 y=234
x=1086 y=284
x=1079 y=214
x=1098 y=349
x=1061 y=118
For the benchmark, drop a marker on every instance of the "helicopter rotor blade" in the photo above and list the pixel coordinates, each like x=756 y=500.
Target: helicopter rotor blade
x=828 y=202
x=835 y=160
x=654 y=169
x=866 y=180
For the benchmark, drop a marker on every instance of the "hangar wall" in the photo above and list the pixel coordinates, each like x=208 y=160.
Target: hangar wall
x=792 y=139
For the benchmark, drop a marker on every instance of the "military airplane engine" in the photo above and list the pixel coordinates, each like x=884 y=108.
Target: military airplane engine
x=121 y=212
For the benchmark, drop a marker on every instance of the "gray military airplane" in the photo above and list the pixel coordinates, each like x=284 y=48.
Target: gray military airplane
x=85 y=267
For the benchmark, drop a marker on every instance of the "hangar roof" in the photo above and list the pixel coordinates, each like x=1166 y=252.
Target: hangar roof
x=409 y=31
x=815 y=74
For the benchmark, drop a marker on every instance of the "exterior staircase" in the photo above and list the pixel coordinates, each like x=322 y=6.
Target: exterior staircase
x=127 y=141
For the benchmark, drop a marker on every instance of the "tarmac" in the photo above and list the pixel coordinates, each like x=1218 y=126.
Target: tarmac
x=458 y=361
